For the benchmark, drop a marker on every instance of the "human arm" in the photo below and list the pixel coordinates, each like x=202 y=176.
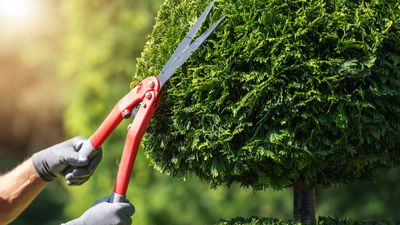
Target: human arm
x=17 y=190
x=20 y=186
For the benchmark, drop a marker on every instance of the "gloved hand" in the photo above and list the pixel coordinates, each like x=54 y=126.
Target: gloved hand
x=105 y=213
x=52 y=161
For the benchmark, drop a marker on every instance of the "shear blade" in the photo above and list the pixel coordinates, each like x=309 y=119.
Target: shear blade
x=190 y=34
x=183 y=51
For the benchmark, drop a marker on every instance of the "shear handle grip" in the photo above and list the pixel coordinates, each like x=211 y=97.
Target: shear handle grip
x=87 y=149
x=117 y=198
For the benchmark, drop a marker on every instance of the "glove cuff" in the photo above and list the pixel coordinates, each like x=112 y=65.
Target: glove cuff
x=42 y=168
x=73 y=222
x=77 y=221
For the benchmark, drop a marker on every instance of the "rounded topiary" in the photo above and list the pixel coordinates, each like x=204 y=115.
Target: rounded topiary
x=284 y=90
x=321 y=221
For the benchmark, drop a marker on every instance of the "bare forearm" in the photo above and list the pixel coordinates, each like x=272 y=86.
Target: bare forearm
x=17 y=190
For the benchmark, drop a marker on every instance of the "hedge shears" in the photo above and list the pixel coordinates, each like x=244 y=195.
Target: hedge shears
x=143 y=100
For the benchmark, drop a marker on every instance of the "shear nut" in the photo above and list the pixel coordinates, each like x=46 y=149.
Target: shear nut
x=151 y=84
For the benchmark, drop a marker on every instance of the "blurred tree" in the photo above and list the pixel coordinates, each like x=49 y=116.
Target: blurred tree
x=31 y=95
x=31 y=110
x=364 y=200
x=286 y=94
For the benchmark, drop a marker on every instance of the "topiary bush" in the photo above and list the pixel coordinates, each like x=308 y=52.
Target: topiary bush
x=285 y=93
x=261 y=221
x=321 y=221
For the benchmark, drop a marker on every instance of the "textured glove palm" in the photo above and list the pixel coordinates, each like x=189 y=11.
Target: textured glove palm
x=52 y=161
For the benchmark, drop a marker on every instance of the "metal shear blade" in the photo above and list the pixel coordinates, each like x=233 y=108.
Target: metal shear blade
x=184 y=49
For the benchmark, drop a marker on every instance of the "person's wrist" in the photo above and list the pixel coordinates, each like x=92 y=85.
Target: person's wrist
x=42 y=168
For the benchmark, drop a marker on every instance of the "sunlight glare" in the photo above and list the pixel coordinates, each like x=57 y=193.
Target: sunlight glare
x=18 y=12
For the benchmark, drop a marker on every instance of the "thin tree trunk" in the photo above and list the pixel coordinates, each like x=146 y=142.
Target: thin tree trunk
x=304 y=202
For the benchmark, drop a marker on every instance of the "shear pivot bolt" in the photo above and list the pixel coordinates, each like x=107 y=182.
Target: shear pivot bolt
x=126 y=114
x=148 y=95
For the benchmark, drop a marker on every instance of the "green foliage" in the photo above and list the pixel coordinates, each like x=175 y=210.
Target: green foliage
x=284 y=90
x=321 y=221
x=260 y=221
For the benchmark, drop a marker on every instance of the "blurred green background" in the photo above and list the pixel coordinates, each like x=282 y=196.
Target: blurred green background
x=63 y=66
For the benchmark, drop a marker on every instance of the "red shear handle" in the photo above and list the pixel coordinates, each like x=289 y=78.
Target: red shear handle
x=106 y=128
x=134 y=137
x=123 y=108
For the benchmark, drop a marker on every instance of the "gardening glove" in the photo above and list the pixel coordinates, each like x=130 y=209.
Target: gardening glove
x=64 y=159
x=105 y=213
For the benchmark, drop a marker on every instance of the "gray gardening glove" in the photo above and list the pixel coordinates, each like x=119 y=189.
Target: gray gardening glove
x=64 y=159
x=105 y=213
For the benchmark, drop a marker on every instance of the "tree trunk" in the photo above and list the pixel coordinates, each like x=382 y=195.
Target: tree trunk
x=304 y=202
